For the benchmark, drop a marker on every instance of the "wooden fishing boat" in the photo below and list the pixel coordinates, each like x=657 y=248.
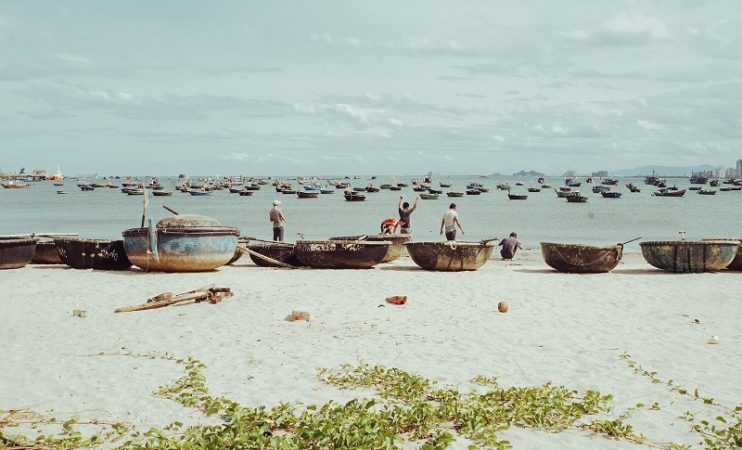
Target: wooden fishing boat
x=385 y=186
x=135 y=191
x=284 y=252
x=236 y=190
x=371 y=188
x=86 y=187
x=198 y=192
x=597 y=189
x=444 y=185
x=428 y=196
x=564 y=194
x=15 y=185
x=707 y=191
x=353 y=196
x=669 y=193
x=46 y=253
x=182 y=243
x=611 y=194
x=99 y=254
x=395 y=250
x=342 y=254
x=575 y=197
x=288 y=191
x=725 y=189
x=517 y=196
x=690 y=256
x=633 y=188
x=473 y=192
x=455 y=194
x=434 y=191
x=395 y=188
x=307 y=194
x=736 y=263
x=694 y=188
x=533 y=189
x=61 y=192
x=245 y=193
x=326 y=190
x=161 y=193
x=579 y=258
x=16 y=252
x=450 y=256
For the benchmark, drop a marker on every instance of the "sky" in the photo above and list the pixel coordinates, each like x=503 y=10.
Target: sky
x=372 y=87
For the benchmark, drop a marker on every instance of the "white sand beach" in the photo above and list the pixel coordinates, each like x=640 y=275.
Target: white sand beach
x=565 y=329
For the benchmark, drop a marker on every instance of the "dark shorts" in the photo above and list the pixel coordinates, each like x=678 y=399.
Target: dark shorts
x=278 y=233
x=451 y=235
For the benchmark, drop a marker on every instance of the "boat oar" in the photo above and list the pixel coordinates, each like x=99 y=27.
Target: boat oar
x=488 y=240
x=244 y=249
x=171 y=210
x=628 y=242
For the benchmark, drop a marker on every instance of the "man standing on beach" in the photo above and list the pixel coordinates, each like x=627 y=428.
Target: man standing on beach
x=404 y=215
x=449 y=222
x=509 y=246
x=278 y=220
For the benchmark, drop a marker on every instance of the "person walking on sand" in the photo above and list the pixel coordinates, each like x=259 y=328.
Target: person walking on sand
x=509 y=246
x=404 y=215
x=277 y=218
x=449 y=222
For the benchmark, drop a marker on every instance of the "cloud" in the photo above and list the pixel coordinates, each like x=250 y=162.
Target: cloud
x=9 y=26
x=623 y=29
x=412 y=46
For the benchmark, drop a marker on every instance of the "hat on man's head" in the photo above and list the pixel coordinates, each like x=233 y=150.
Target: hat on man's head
x=276 y=203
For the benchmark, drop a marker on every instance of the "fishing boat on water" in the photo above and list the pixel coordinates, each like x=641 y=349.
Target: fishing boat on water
x=473 y=192
x=181 y=243
x=15 y=185
x=534 y=189
x=450 y=256
x=633 y=188
x=245 y=193
x=575 y=197
x=669 y=193
x=307 y=194
x=611 y=194
x=428 y=196
x=454 y=194
x=444 y=185
x=580 y=258
x=353 y=196
x=517 y=196
x=690 y=256
x=562 y=194
x=161 y=193
x=331 y=254
x=599 y=188
x=707 y=192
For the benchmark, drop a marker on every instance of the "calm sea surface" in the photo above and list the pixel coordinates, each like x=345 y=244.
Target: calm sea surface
x=105 y=213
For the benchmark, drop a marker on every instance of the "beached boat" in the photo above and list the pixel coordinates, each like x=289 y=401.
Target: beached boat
x=690 y=256
x=517 y=196
x=611 y=194
x=450 y=256
x=736 y=263
x=284 y=252
x=46 y=253
x=395 y=250
x=669 y=193
x=428 y=196
x=575 y=197
x=455 y=194
x=342 y=254
x=353 y=196
x=579 y=258
x=99 y=254
x=16 y=252
x=707 y=191
x=307 y=194
x=182 y=243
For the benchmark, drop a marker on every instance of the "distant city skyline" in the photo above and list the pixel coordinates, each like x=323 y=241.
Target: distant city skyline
x=334 y=87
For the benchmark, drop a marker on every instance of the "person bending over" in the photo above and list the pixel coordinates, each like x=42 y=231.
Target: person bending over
x=509 y=246
x=389 y=226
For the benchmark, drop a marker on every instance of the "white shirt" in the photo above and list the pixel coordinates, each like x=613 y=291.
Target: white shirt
x=449 y=219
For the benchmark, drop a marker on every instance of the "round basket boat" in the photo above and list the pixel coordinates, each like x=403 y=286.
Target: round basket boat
x=450 y=256
x=736 y=263
x=284 y=252
x=580 y=258
x=396 y=250
x=99 y=254
x=46 y=253
x=16 y=252
x=690 y=256
x=341 y=254
x=182 y=243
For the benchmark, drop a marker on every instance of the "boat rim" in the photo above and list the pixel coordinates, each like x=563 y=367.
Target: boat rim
x=586 y=246
x=681 y=242
x=451 y=243
x=226 y=231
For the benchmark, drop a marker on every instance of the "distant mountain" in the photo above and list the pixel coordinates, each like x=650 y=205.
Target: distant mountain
x=667 y=171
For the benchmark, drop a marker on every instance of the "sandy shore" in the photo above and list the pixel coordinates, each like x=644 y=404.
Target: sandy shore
x=567 y=329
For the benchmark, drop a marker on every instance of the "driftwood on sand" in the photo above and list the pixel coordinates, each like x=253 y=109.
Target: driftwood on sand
x=209 y=293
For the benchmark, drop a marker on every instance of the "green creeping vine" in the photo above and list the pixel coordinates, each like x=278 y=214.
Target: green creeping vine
x=407 y=408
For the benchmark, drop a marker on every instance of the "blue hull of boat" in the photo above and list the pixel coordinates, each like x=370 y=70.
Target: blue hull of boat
x=180 y=252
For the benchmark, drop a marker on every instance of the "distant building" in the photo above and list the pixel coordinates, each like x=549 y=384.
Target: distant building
x=600 y=173
x=38 y=173
x=570 y=173
x=731 y=172
x=739 y=168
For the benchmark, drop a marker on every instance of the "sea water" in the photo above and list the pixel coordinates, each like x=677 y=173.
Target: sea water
x=106 y=212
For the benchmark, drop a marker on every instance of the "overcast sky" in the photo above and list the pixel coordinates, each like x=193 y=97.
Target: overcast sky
x=334 y=87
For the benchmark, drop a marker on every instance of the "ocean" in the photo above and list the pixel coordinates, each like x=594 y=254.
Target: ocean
x=105 y=213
